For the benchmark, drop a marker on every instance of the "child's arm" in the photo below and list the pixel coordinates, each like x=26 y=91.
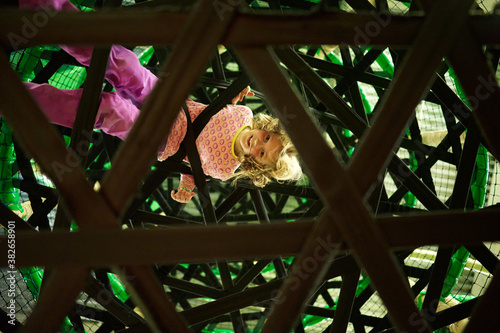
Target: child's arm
x=185 y=192
x=241 y=95
x=182 y=195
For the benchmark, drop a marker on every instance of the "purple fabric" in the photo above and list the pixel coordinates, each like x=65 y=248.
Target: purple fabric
x=116 y=115
x=129 y=78
x=124 y=72
x=118 y=110
x=41 y=4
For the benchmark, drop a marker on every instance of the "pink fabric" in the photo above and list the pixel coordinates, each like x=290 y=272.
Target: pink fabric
x=116 y=115
x=43 y=4
x=125 y=73
x=213 y=143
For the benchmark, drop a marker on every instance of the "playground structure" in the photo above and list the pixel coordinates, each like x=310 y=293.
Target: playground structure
x=391 y=105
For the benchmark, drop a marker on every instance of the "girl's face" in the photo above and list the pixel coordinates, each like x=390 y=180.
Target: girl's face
x=263 y=146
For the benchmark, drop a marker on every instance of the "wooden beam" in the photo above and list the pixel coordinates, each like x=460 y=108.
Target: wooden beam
x=84 y=28
x=444 y=228
x=480 y=85
x=353 y=122
x=349 y=28
x=409 y=84
x=38 y=137
x=244 y=241
x=273 y=239
x=109 y=301
x=29 y=125
x=180 y=73
x=56 y=299
x=339 y=192
x=199 y=38
x=484 y=316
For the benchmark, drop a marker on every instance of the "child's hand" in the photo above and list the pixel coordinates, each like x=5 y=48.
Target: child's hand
x=182 y=195
x=245 y=92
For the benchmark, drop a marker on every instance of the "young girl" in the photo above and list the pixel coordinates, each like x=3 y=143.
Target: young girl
x=232 y=139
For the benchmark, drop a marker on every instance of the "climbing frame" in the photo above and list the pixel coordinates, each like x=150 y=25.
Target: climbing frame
x=355 y=75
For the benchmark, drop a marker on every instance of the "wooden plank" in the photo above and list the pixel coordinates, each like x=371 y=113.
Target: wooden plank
x=202 y=32
x=186 y=63
x=250 y=241
x=350 y=28
x=29 y=125
x=157 y=303
x=444 y=228
x=76 y=28
x=321 y=89
x=486 y=28
x=83 y=28
x=479 y=84
x=481 y=87
x=273 y=239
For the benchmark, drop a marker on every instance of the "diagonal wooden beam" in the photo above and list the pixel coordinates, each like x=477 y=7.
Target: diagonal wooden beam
x=409 y=84
x=484 y=316
x=192 y=50
x=110 y=302
x=175 y=81
x=29 y=125
x=54 y=303
x=84 y=124
x=353 y=122
x=480 y=84
x=339 y=192
x=483 y=92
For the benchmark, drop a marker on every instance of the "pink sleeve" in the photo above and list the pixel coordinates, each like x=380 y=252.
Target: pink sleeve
x=187 y=181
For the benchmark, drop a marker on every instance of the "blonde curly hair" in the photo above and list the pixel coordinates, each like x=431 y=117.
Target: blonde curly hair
x=285 y=168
